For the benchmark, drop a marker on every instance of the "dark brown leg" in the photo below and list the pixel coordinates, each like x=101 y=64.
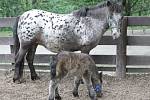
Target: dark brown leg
x=30 y=58
x=97 y=83
x=76 y=86
x=88 y=82
x=19 y=62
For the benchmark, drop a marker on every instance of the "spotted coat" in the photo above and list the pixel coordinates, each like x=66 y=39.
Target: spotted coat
x=59 y=31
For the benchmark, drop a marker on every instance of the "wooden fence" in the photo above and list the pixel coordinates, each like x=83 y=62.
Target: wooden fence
x=121 y=60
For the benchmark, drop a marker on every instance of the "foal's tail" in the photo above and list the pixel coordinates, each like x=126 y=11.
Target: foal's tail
x=15 y=36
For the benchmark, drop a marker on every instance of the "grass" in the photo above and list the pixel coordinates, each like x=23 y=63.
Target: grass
x=65 y=6
x=6 y=33
x=138 y=27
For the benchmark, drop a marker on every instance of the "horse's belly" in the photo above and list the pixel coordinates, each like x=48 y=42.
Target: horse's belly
x=56 y=45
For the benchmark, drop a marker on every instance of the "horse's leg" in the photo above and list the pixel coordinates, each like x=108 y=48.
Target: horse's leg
x=16 y=49
x=76 y=86
x=53 y=64
x=88 y=82
x=86 y=51
x=30 y=58
x=21 y=68
x=18 y=62
x=97 y=83
x=52 y=87
x=57 y=96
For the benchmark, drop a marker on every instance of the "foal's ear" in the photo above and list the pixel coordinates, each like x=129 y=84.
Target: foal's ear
x=108 y=3
x=82 y=12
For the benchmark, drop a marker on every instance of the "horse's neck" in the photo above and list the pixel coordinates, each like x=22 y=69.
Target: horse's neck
x=102 y=20
x=98 y=25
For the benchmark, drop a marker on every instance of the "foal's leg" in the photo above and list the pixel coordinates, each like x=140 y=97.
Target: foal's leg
x=57 y=96
x=97 y=83
x=76 y=86
x=52 y=88
x=18 y=62
x=88 y=82
x=86 y=51
x=53 y=75
x=30 y=58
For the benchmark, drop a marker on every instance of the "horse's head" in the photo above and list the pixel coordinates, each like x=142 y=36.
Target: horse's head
x=108 y=11
x=115 y=10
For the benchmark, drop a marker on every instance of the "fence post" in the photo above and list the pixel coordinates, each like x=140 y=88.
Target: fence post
x=121 y=51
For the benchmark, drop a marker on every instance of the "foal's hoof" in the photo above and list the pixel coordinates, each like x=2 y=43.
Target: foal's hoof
x=35 y=77
x=50 y=99
x=99 y=95
x=58 y=97
x=75 y=94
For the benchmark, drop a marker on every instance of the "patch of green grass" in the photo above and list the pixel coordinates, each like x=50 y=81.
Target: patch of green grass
x=138 y=27
x=65 y=6
x=6 y=33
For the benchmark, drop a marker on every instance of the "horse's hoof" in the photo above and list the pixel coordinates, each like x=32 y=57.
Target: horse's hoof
x=58 y=97
x=18 y=80
x=35 y=77
x=50 y=99
x=75 y=94
x=99 y=95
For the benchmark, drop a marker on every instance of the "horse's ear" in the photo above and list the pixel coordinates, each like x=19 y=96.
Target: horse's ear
x=108 y=3
x=124 y=3
x=121 y=2
x=82 y=12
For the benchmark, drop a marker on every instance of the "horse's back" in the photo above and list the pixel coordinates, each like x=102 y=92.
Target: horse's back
x=33 y=23
x=46 y=27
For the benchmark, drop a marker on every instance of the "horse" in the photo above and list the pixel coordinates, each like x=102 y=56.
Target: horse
x=80 y=30
x=79 y=65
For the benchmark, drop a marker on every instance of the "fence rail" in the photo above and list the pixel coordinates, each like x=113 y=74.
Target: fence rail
x=121 y=60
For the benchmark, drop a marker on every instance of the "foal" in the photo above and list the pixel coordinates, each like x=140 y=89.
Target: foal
x=81 y=66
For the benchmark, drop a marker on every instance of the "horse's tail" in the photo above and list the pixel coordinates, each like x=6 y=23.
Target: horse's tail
x=15 y=36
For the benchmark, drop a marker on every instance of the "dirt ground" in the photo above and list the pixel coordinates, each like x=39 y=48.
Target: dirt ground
x=134 y=87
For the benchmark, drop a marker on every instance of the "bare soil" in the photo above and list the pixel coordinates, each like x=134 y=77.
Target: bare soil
x=133 y=87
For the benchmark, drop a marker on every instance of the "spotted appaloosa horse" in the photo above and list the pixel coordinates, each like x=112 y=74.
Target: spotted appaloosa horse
x=80 y=30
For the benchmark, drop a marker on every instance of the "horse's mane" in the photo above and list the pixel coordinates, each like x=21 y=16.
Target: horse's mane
x=83 y=11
